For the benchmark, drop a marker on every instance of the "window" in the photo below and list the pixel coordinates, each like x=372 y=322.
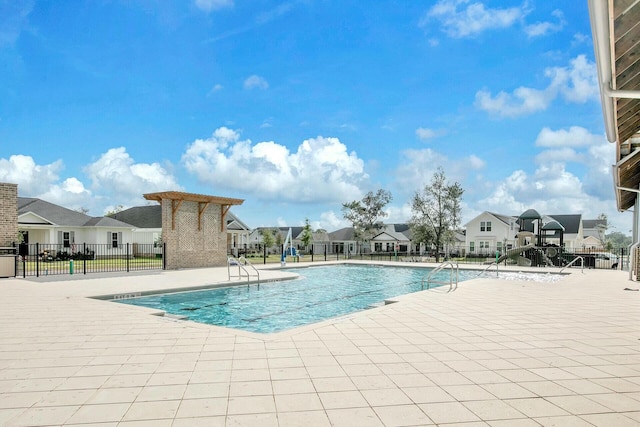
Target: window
x=114 y=239
x=472 y=247
x=499 y=246
x=66 y=239
x=378 y=247
x=485 y=225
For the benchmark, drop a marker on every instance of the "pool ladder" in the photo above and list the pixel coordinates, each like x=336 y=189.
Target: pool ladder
x=242 y=263
x=573 y=262
x=453 y=278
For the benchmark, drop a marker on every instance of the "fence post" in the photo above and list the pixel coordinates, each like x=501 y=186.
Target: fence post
x=37 y=259
x=127 y=257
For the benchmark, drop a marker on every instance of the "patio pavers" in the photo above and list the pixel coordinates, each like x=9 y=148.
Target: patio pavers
x=497 y=353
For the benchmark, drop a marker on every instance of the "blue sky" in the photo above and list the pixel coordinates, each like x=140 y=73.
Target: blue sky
x=300 y=106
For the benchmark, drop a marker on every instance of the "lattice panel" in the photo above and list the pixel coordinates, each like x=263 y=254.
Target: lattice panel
x=211 y=228
x=187 y=224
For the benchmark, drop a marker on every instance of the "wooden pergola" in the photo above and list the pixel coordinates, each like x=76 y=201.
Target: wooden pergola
x=204 y=201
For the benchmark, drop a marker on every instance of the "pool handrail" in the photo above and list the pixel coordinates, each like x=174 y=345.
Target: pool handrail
x=241 y=262
x=427 y=278
x=488 y=267
x=574 y=260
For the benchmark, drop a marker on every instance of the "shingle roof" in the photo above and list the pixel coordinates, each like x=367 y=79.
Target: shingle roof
x=60 y=216
x=141 y=216
x=571 y=223
x=344 y=234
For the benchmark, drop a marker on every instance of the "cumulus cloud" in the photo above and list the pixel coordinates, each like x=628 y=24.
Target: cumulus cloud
x=576 y=83
x=463 y=18
x=116 y=173
x=31 y=178
x=575 y=136
x=320 y=170
x=424 y=133
x=43 y=181
x=211 y=5
x=543 y=28
x=256 y=82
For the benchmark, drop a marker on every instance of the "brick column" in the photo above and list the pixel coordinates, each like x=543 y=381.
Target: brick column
x=8 y=214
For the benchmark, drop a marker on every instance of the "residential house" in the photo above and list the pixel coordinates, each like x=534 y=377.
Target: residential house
x=59 y=229
x=593 y=231
x=343 y=241
x=490 y=232
x=393 y=237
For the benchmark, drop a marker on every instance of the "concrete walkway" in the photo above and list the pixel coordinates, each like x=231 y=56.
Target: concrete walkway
x=492 y=353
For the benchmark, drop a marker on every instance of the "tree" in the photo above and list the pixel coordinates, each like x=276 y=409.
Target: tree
x=267 y=237
x=115 y=210
x=365 y=214
x=601 y=227
x=436 y=212
x=307 y=235
x=83 y=210
x=619 y=240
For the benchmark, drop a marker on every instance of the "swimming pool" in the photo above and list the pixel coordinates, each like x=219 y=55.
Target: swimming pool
x=321 y=293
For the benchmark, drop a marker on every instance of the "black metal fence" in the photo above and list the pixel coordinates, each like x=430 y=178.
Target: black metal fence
x=53 y=259
x=616 y=258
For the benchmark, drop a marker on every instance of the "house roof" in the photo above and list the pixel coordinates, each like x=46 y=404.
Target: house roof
x=343 y=234
x=192 y=197
x=234 y=223
x=571 y=223
x=615 y=27
x=141 y=216
x=60 y=216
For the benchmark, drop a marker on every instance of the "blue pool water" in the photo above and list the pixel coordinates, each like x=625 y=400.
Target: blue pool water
x=321 y=293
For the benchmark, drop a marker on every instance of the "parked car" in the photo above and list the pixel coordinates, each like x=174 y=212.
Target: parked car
x=606 y=260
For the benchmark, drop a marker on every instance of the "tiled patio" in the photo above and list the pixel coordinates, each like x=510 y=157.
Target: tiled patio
x=492 y=353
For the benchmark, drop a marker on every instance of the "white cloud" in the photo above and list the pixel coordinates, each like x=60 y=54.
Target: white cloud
x=331 y=221
x=576 y=83
x=256 y=82
x=214 y=89
x=321 y=170
x=211 y=5
x=31 y=178
x=42 y=181
x=575 y=136
x=543 y=28
x=116 y=175
x=462 y=18
x=424 y=133
x=523 y=101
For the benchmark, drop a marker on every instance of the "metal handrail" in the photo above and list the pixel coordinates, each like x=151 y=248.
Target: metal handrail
x=241 y=263
x=488 y=267
x=427 y=277
x=573 y=261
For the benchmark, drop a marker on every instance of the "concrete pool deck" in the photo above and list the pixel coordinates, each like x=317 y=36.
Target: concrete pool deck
x=492 y=353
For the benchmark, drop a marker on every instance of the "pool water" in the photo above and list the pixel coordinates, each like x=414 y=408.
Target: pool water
x=321 y=293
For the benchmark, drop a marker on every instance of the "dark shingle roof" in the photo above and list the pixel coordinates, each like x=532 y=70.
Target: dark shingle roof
x=571 y=223
x=141 y=216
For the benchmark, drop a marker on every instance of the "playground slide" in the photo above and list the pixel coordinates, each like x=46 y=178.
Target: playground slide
x=515 y=252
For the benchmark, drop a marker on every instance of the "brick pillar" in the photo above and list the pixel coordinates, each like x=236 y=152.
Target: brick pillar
x=8 y=214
